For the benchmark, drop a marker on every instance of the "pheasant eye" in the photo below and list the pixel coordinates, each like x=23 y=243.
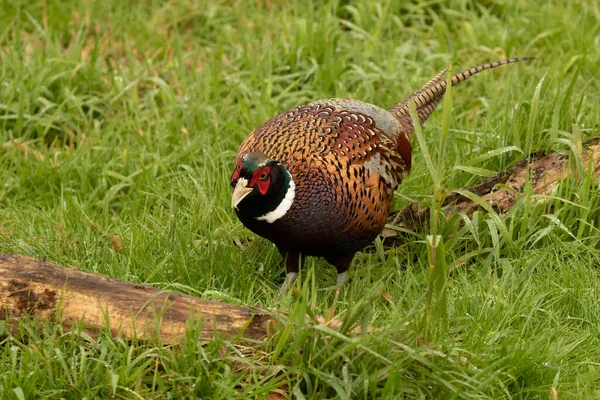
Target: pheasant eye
x=263 y=176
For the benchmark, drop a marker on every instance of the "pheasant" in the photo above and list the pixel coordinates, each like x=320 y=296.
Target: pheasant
x=319 y=179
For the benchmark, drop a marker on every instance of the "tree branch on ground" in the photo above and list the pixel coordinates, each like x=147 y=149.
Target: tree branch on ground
x=543 y=171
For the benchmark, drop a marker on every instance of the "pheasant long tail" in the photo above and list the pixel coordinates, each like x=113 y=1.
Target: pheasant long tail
x=427 y=97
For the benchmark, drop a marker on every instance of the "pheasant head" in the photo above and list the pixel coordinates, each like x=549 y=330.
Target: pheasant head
x=262 y=188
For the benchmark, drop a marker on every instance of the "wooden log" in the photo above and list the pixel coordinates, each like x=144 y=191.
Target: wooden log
x=44 y=290
x=502 y=190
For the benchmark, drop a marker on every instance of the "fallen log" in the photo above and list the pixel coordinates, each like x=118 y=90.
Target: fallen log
x=501 y=191
x=39 y=289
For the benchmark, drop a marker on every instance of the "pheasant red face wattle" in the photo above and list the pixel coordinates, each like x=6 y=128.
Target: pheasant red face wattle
x=262 y=180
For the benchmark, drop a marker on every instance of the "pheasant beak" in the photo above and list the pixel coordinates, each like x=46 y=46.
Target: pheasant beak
x=240 y=192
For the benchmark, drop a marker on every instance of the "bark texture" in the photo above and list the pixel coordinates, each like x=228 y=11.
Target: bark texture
x=504 y=189
x=69 y=296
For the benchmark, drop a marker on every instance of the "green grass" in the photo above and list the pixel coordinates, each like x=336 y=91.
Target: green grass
x=119 y=122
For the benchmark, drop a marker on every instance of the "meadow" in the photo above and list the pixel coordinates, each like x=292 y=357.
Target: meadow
x=119 y=125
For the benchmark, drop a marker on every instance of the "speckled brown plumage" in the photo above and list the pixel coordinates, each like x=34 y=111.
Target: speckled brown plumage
x=344 y=158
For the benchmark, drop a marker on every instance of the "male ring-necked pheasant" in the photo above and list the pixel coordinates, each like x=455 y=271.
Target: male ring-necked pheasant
x=318 y=180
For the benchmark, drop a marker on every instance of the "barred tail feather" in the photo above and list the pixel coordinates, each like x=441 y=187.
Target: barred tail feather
x=429 y=95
